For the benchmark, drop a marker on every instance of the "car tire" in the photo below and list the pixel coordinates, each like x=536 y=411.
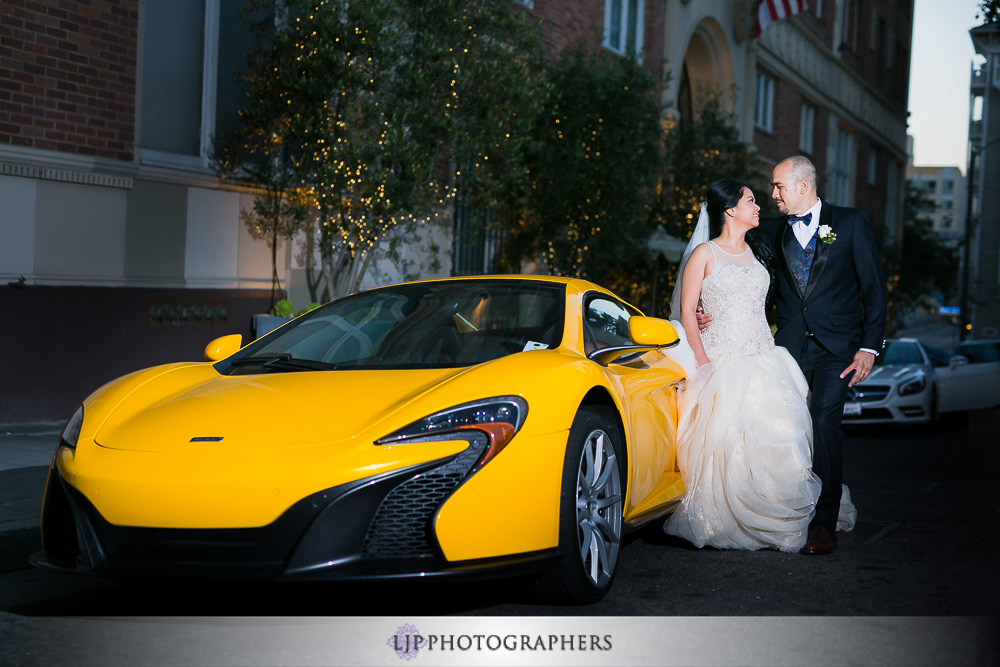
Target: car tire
x=590 y=510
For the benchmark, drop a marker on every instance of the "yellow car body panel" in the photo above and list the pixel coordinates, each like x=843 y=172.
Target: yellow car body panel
x=149 y=453
x=224 y=489
x=485 y=517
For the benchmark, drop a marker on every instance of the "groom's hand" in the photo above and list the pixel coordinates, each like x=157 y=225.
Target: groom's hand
x=862 y=366
x=704 y=319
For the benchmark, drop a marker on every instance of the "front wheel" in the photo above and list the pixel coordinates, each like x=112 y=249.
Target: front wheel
x=590 y=511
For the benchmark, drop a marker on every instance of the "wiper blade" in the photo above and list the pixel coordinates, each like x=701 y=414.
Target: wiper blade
x=261 y=360
x=284 y=361
x=291 y=363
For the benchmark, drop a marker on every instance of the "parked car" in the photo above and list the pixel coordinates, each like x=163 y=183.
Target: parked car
x=465 y=427
x=902 y=387
x=971 y=380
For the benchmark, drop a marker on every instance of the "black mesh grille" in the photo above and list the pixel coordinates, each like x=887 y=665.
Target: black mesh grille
x=402 y=524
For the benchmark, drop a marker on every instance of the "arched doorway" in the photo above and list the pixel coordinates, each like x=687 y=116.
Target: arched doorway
x=707 y=69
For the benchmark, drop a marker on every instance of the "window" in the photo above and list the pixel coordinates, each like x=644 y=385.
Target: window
x=947 y=187
x=807 y=123
x=173 y=66
x=763 y=106
x=423 y=325
x=945 y=204
x=979 y=353
x=872 y=165
x=849 y=26
x=840 y=181
x=890 y=46
x=191 y=53
x=891 y=192
x=873 y=31
x=606 y=324
x=623 y=26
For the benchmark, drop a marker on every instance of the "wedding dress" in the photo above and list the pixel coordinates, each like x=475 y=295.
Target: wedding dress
x=744 y=435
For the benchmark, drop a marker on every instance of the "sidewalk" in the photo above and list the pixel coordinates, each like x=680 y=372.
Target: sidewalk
x=25 y=453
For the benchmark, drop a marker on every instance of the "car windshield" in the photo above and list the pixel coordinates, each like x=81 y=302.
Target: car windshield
x=978 y=352
x=899 y=353
x=939 y=358
x=418 y=325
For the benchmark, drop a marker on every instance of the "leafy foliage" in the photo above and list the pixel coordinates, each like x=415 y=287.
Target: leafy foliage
x=989 y=11
x=926 y=265
x=595 y=167
x=372 y=111
x=698 y=151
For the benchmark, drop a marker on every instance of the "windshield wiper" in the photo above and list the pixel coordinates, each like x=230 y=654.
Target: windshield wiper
x=284 y=361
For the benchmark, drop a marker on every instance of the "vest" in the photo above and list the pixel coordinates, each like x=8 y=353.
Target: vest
x=800 y=260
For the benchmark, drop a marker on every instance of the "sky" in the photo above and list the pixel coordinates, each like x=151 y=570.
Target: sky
x=940 y=71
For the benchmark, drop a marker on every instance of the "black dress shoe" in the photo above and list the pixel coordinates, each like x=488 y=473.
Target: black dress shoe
x=821 y=541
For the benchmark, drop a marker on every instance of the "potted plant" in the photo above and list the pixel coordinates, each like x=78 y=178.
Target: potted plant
x=282 y=312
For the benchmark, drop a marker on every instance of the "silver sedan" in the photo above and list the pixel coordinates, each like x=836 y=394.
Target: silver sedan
x=902 y=387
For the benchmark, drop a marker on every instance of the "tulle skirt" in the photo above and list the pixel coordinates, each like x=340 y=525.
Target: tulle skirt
x=745 y=453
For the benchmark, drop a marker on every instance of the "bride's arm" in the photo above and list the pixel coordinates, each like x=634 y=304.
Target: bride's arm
x=694 y=274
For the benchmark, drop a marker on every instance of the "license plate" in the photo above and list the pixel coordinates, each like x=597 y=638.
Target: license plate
x=853 y=409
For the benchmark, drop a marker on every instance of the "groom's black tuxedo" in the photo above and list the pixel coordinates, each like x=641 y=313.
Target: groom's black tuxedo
x=844 y=275
x=823 y=326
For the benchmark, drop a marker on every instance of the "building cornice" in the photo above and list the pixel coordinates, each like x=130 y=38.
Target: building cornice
x=46 y=165
x=825 y=78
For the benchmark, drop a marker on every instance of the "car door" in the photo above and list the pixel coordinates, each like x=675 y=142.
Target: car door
x=973 y=384
x=646 y=388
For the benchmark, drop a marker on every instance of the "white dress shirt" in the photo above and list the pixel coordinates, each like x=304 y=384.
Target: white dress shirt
x=805 y=232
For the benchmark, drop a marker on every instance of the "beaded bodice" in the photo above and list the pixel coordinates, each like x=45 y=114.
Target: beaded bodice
x=734 y=294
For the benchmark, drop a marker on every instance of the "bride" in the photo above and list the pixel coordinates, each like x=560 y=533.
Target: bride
x=744 y=435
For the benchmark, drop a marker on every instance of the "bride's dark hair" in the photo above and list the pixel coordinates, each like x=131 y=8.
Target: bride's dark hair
x=725 y=194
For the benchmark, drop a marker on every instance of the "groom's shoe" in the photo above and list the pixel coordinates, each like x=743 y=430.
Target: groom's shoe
x=821 y=541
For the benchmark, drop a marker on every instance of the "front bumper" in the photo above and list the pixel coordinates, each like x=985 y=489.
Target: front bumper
x=892 y=409
x=377 y=527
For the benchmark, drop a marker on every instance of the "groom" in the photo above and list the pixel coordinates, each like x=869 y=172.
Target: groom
x=828 y=266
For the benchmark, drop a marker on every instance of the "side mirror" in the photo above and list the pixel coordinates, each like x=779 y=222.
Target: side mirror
x=647 y=333
x=223 y=347
x=652 y=331
x=957 y=360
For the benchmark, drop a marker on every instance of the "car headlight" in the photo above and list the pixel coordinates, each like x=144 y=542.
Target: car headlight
x=913 y=386
x=500 y=418
x=71 y=432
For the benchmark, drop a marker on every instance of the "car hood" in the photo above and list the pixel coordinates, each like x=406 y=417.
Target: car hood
x=194 y=408
x=892 y=374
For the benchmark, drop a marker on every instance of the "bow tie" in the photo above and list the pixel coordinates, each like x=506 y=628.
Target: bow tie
x=804 y=219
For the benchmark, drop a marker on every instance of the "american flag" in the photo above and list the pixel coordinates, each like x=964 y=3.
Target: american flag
x=769 y=11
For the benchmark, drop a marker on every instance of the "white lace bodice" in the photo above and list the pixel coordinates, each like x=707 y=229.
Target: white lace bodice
x=734 y=294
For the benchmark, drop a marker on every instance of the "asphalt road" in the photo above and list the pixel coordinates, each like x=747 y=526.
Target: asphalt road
x=925 y=545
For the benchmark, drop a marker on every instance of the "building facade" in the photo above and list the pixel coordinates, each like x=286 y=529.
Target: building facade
x=832 y=83
x=945 y=190
x=981 y=299
x=121 y=248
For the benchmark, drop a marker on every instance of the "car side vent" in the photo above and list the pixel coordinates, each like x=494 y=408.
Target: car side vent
x=402 y=524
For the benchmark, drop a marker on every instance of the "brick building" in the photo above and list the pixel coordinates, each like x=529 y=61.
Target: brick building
x=132 y=253
x=832 y=83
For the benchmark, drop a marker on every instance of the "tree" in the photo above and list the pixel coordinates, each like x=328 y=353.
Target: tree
x=594 y=170
x=926 y=265
x=378 y=107
x=698 y=151
x=989 y=10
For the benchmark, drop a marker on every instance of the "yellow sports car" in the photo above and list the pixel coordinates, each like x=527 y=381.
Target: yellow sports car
x=463 y=427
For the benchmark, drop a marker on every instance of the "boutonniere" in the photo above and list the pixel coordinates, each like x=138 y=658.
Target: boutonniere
x=826 y=235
